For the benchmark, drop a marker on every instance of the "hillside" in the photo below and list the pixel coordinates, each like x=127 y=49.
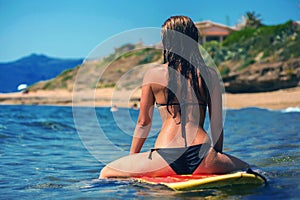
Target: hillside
x=115 y=65
x=250 y=60
x=32 y=69
x=259 y=59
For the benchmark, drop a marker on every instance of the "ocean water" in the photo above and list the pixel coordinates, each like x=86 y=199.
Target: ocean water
x=44 y=156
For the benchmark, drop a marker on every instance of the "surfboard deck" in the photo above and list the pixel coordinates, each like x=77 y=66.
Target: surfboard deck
x=196 y=182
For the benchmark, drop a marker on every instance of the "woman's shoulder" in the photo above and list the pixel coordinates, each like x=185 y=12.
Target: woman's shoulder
x=156 y=74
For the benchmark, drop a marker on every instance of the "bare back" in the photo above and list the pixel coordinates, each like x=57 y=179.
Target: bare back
x=171 y=132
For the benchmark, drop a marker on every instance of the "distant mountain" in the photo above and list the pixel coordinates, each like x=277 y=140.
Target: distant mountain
x=32 y=69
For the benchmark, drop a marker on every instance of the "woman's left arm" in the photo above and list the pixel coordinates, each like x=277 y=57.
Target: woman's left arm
x=144 y=122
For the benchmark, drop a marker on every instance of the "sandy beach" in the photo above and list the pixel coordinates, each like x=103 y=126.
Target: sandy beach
x=279 y=99
x=275 y=100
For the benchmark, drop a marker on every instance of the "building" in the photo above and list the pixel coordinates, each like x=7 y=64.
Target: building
x=209 y=31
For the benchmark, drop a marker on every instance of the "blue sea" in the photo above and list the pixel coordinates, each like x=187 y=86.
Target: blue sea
x=45 y=153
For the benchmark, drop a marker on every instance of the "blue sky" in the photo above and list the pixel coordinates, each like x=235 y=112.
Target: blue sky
x=72 y=28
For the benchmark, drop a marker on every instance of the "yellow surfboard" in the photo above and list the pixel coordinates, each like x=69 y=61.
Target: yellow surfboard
x=196 y=182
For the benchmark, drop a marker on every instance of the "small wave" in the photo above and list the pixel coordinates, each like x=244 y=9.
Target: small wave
x=103 y=183
x=43 y=186
x=291 y=109
x=2 y=127
x=50 y=125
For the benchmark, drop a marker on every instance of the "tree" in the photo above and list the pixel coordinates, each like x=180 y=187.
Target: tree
x=252 y=20
x=249 y=20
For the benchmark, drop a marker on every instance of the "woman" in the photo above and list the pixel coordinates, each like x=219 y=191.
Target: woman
x=182 y=88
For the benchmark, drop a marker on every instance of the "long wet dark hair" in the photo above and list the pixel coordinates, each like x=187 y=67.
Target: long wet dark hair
x=181 y=53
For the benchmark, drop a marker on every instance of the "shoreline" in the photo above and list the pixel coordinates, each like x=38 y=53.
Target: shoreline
x=106 y=97
x=275 y=100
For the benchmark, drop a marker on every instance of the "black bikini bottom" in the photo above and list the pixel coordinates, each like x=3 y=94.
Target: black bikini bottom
x=183 y=160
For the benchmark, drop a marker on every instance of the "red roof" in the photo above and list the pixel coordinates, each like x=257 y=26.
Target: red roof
x=209 y=28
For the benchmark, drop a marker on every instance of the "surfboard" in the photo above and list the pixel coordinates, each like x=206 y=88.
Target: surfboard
x=205 y=181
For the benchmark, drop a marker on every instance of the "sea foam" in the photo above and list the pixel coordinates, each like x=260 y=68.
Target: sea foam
x=291 y=109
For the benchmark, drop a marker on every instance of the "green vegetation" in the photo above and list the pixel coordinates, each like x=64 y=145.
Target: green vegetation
x=224 y=70
x=119 y=52
x=48 y=86
x=63 y=81
x=149 y=55
x=277 y=43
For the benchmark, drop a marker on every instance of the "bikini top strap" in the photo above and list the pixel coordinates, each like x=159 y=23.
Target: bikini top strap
x=203 y=104
x=164 y=104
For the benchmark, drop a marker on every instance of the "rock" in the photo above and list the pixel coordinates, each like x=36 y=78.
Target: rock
x=263 y=77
